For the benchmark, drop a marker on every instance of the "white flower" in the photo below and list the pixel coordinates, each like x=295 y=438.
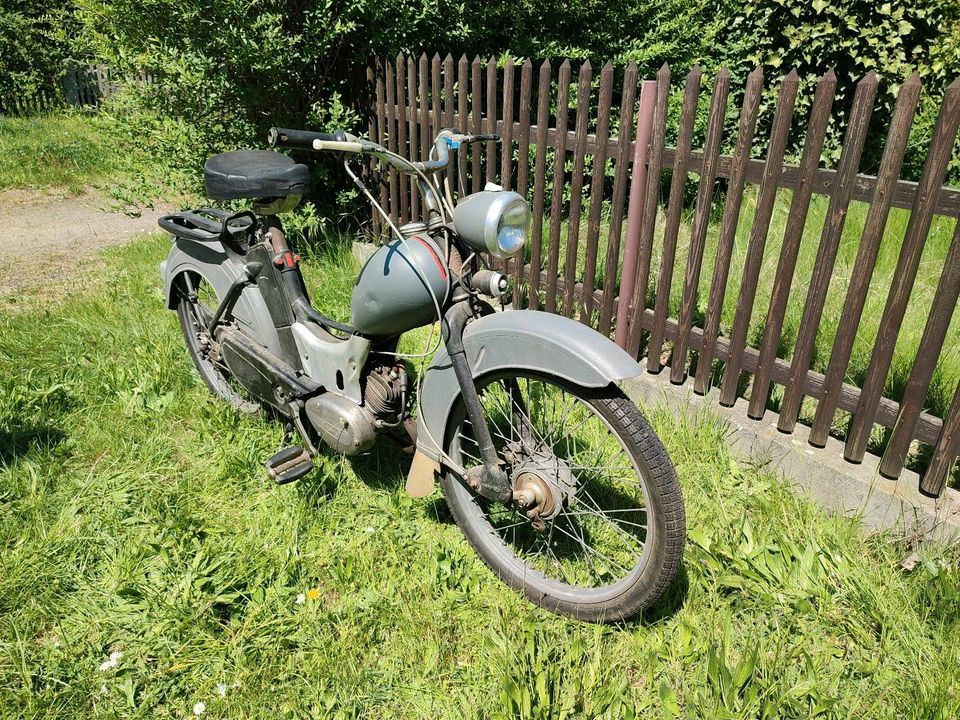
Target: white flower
x=222 y=689
x=301 y=599
x=103 y=688
x=112 y=661
x=370 y=529
x=199 y=709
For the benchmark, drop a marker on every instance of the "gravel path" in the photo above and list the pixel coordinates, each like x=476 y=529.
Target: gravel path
x=45 y=236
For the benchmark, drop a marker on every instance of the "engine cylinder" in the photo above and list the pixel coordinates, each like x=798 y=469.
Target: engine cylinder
x=395 y=289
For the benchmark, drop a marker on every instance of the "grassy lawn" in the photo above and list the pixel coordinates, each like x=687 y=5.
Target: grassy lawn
x=74 y=151
x=146 y=564
x=63 y=150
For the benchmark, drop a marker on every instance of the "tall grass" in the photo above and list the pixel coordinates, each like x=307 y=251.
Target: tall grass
x=947 y=374
x=146 y=564
x=74 y=151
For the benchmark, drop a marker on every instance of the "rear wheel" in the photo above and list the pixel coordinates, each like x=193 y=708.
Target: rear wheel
x=196 y=305
x=599 y=526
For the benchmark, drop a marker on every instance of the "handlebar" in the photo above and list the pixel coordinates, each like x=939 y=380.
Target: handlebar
x=303 y=139
x=341 y=142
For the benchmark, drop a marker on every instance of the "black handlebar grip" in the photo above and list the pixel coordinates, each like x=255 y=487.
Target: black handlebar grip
x=286 y=137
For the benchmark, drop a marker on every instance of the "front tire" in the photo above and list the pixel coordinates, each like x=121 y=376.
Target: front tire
x=570 y=439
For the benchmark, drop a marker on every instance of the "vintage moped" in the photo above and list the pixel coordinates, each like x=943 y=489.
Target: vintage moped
x=555 y=477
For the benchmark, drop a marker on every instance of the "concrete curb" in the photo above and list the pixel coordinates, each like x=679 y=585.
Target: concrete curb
x=822 y=475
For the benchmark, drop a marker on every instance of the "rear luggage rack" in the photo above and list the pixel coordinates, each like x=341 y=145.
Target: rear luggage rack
x=206 y=224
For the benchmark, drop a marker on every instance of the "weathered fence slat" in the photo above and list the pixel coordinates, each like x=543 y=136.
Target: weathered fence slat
x=688 y=113
x=463 y=95
x=854 y=139
x=796 y=222
x=476 y=90
x=556 y=203
x=598 y=175
x=941 y=147
x=436 y=118
x=412 y=149
x=928 y=354
x=381 y=137
x=728 y=229
x=539 y=180
x=772 y=169
x=448 y=105
x=372 y=131
x=576 y=185
x=523 y=162
x=490 y=157
x=870 y=238
x=642 y=218
x=946 y=450
x=402 y=137
x=449 y=78
x=698 y=232
x=506 y=134
x=490 y=154
x=394 y=207
x=424 y=112
x=621 y=164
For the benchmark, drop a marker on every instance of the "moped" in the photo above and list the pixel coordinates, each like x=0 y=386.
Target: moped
x=552 y=473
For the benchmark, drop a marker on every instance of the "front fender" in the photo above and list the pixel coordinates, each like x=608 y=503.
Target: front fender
x=210 y=260
x=523 y=340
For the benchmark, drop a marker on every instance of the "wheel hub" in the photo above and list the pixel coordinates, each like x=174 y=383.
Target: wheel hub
x=542 y=485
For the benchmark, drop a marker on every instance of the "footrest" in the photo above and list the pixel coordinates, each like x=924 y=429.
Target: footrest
x=290 y=464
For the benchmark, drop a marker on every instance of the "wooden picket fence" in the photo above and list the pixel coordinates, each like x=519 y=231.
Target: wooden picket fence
x=89 y=85
x=84 y=86
x=37 y=104
x=412 y=99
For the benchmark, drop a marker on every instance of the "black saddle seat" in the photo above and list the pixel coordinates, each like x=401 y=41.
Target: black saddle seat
x=254 y=174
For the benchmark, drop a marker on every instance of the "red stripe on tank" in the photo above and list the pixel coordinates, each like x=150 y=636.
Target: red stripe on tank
x=436 y=258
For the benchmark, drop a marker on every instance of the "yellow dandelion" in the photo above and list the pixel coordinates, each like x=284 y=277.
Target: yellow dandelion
x=313 y=594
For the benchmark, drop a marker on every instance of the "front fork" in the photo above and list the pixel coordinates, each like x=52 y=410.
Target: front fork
x=489 y=479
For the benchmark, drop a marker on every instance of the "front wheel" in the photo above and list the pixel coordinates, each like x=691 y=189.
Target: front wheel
x=599 y=527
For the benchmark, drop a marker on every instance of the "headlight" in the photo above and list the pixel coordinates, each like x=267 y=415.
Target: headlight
x=493 y=221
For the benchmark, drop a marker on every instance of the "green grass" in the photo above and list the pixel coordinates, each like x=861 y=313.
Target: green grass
x=135 y=518
x=947 y=374
x=60 y=150
x=118 y=156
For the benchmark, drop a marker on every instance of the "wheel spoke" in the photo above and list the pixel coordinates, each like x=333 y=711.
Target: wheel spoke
x=567 y=446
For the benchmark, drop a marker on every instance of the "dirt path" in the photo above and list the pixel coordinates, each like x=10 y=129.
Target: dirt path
x=47 y=236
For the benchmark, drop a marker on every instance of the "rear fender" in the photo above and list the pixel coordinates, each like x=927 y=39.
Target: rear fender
x=210 y=260
x=523 y=340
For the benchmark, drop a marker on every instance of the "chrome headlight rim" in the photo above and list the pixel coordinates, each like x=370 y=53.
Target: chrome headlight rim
x=506 y=202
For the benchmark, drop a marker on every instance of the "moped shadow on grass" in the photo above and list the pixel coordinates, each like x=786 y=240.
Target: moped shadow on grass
x=552 y=473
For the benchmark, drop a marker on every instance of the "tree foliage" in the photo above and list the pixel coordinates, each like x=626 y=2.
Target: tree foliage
x=32 y=49
x=226 y=70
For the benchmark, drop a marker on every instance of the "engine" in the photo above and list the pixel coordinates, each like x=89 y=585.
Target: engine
x=350 y=428
x=384 y=393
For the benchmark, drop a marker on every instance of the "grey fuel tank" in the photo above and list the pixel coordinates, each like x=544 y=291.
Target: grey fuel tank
x=393 y=292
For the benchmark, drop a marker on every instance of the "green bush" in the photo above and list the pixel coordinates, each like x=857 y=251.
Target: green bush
x=226 y=71
x=231 y=68
x=32 y=51
x=853 y=37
